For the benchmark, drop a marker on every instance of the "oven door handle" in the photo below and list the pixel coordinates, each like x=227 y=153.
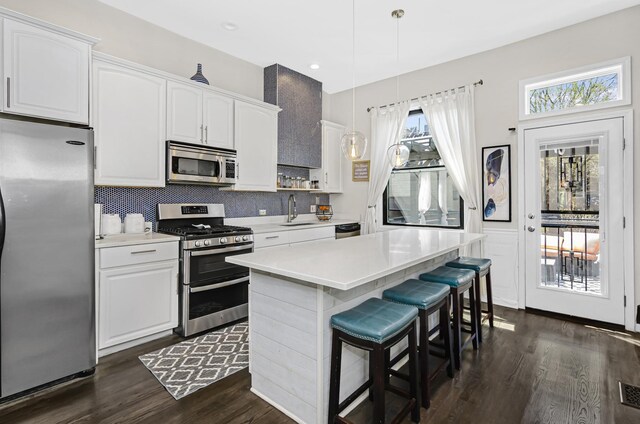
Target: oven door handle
x=225 y=250
x=218 y=285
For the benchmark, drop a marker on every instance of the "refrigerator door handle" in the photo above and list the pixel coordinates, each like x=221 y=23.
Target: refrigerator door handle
x=3 y=223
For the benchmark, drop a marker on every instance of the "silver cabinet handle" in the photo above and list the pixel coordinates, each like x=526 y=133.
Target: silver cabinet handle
x=326 y=178
x=206 y=134
x=8 y=92
x=271 y=237
x=202 y=133
x=237 y=171
x=95 y=157
x=531 y=229
x=139 y=252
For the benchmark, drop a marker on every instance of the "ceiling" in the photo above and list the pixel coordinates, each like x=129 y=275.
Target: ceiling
x=297 y=33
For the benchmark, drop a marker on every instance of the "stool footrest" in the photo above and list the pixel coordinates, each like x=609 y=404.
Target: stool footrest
x=360 y=390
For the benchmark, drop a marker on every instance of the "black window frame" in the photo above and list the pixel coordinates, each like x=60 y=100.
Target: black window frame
x=385 y=197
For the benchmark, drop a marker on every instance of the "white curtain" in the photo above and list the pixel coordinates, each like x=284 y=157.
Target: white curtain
x=443 y=197
x=387 y=125
x=424 y=195
x=451 y=118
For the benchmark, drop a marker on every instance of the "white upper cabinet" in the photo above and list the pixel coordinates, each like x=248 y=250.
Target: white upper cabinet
x=218 y=120
x=129 y=111
x=46 y=73
x=184 y=113
x=256 y=137
x=197 y=115
x=330 y=175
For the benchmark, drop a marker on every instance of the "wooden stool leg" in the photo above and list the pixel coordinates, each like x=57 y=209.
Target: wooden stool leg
x=445 y=333
x=456 y=327
x=334 y=382
x=413 y=369
x=478 y=308
x=379 y=372
x=489 y=298
x=474 y=318
x=371 y=371
x=424 y=359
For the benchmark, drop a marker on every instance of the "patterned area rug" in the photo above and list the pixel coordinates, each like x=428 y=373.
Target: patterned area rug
x=193 y=364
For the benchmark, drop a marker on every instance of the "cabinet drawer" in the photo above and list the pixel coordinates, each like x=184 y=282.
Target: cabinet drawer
x=309 y=234
x=270 y=239
x=137 y=254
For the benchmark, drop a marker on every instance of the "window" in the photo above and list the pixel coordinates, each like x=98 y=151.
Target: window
x=422 y=193
x=592 y=87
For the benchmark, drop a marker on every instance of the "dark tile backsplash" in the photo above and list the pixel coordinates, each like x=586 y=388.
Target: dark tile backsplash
x=123 y=200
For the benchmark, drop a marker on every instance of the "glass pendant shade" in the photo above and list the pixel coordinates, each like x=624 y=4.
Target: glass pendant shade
x=398 y=155
x=354 y=145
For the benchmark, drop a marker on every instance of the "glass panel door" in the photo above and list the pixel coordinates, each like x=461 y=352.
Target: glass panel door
x=573 y=214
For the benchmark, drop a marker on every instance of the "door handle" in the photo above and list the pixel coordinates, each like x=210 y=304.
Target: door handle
x=531 y=229
x=531 y=216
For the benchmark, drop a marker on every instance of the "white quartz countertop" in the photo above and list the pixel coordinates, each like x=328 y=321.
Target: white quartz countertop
x=273 y=227
x=347 y=263
x=117 y=240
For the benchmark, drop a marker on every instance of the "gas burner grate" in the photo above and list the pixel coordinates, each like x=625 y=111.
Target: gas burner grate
x=629 y=395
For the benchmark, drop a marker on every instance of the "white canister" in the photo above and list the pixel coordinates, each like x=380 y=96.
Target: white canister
x=134 y=223
x=111 y=224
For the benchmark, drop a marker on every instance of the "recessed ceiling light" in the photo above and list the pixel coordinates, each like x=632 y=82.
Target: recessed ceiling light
x=229 y=26
x=314 y=66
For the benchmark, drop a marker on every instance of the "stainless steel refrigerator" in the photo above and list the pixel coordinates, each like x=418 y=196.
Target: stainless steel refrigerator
x=47 y=294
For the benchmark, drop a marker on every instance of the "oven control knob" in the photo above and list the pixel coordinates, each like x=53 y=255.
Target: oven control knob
x=207 y=242
x=245 y=238
x=198 y=243
x=238 y=239
x=223 y=240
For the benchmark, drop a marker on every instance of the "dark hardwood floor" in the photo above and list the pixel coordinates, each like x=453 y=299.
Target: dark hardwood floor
x=530 y=369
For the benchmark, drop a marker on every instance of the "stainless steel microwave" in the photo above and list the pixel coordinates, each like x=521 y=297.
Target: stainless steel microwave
x=192 y=164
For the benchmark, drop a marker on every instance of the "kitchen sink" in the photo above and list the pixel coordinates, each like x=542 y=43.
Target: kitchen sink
x=296 y=224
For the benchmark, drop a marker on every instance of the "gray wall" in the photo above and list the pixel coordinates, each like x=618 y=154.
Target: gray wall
x=131 y=38
x=594 y=41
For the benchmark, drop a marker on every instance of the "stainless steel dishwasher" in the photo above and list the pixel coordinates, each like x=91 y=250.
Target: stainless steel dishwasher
x=347 y=230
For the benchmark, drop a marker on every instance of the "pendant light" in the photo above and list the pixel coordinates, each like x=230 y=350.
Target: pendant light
x=353 y=143
x=398 y=153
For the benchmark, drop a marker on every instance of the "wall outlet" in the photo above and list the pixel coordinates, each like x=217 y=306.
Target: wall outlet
x=262 y=212
x=312 y=209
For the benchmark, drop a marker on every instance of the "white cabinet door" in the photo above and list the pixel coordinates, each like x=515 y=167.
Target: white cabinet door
x=330 y=175
x=129 y=112
x=256 y=136
x=137 y=301
x=46 y=74
x=218 y=120
x=184 y=113
x=332 y=157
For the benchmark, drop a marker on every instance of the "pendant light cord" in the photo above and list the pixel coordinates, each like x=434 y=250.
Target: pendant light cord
x=353 y=57
x=398 y=58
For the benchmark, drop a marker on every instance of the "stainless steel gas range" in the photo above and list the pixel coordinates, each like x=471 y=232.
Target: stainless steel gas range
x=212 y=291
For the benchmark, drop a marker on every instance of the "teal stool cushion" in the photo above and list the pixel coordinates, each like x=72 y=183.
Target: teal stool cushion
x=454 y=277
x=466 y=262
x=420 y=294
x=375 y=320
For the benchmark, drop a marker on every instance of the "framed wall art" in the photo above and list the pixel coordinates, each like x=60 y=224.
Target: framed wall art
x=496 y=183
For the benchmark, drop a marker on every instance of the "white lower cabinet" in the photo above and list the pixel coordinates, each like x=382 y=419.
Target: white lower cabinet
x=138 y=297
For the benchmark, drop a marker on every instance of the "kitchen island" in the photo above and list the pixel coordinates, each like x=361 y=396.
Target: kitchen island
x=295 y=290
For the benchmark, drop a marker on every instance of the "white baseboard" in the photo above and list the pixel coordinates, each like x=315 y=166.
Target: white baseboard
x=132 y=343
x=276 y=405
x=637 y=328
x=507 y=303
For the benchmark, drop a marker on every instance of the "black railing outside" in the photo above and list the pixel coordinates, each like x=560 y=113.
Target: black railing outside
x=570 y=250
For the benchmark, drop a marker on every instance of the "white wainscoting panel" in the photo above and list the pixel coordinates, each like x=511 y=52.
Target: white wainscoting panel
x=501 y=246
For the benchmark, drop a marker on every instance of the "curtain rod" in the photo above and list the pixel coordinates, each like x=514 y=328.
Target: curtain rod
x=480 y=82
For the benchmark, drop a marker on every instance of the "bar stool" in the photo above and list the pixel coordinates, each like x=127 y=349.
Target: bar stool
x=375 y=326
x=429 y=298
x=459 y=281
x=482 y=268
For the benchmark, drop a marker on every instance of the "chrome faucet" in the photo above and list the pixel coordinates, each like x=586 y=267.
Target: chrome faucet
x=292 y=213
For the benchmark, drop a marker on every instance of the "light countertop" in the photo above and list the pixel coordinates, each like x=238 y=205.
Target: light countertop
x=347 y=263
x=117 y=240
x=276 y=227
